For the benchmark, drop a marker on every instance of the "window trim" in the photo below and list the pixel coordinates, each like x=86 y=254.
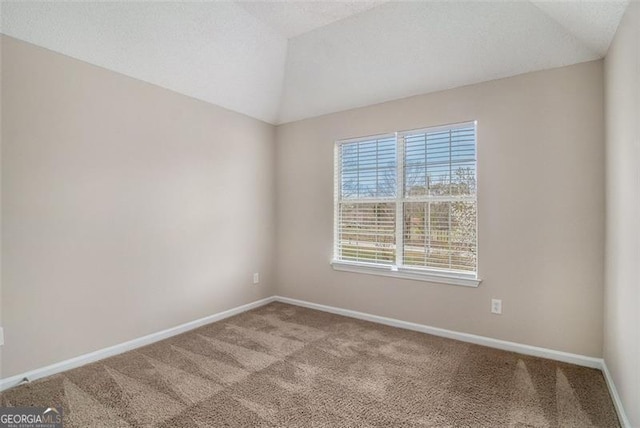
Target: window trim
x=427 y=275
x=397 y=270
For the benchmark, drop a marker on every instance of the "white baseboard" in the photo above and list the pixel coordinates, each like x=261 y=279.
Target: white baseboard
x=622 y=415
x=126 y=346
x=535 y=351
x=581 y=360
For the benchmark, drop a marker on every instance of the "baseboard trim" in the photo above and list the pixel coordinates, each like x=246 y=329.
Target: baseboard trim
x=127 y=346
x=617 y=402
x=581 y=360
x=535 y=351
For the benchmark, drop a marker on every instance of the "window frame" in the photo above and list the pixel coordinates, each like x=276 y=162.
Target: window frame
x=397 y=269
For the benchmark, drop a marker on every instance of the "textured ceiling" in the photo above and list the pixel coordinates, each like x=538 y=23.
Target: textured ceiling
x=283 y=61
x=594 y=23
x=214 y=51
x=294 y=18
x=401 y=49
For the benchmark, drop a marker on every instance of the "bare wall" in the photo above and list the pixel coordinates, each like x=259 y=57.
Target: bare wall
x=622 y=289
x=127 y=208
x=541 y=210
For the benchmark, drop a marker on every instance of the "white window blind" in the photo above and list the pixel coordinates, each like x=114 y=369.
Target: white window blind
x=408 y=200
x=367 y=171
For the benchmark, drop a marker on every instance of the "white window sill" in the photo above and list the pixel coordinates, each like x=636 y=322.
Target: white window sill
x=408 y=273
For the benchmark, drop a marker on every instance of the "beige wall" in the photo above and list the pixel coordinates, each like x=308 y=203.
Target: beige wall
x=127 y=208
x=120 y=197
x=1 y=347
x=622 y=290
x=541 y=210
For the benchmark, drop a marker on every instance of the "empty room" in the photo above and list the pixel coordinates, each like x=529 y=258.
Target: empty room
x=320 y=214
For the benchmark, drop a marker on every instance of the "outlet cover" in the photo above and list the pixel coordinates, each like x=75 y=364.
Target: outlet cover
x=496 y=306
x=256 y=278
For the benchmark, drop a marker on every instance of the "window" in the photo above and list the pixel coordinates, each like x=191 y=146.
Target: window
x=406 y=204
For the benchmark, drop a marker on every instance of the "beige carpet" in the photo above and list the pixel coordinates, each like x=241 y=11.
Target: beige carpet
x=285 y=366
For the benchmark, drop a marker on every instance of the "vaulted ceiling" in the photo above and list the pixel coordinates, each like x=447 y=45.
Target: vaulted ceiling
x=284 y=61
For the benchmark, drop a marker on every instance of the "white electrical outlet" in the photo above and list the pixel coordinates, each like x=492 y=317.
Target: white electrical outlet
x=496 y=306
x=256 y=278
x=1 y=336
